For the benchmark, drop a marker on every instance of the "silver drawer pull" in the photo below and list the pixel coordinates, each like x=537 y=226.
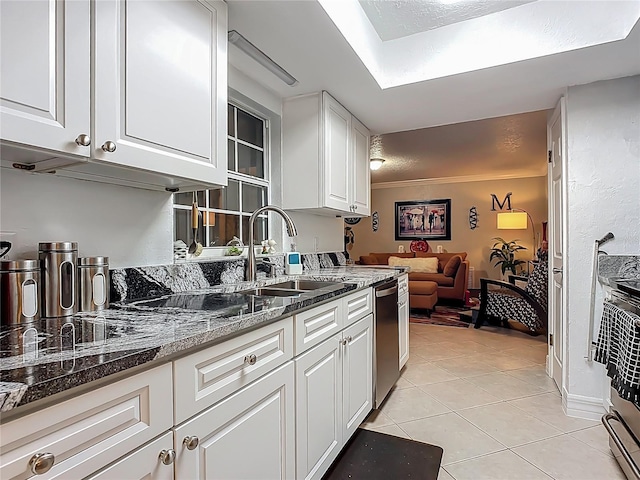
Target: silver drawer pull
x=41 y=463
x=191 y=442
x=83 y=140
x=109 y=146
x=250 y=359
x=167 y=457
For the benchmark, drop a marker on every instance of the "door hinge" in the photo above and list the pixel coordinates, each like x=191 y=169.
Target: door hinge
x=550 y=155
x=551 y=339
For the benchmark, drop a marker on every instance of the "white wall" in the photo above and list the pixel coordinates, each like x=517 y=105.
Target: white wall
x=603 y=129
x=130 y=226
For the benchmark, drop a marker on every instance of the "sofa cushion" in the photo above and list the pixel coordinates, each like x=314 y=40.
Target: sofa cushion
x=423 y=265
x=369 y=260
x=439 y=278
x=443 y=258
x=383 y=258
x=422 y=288
x=451 y=268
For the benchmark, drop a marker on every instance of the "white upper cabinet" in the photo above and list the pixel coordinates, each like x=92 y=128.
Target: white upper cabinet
x=325 y=157
x=144 y=81
x=160 y=87
x=44 y=75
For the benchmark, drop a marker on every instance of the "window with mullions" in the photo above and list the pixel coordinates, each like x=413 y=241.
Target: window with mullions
x=226 y=211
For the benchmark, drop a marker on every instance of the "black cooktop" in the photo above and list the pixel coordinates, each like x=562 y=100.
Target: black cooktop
x=629 y=286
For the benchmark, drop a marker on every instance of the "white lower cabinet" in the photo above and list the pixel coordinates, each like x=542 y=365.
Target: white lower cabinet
x=249 y=435
x=142 y=464
x=333 y=396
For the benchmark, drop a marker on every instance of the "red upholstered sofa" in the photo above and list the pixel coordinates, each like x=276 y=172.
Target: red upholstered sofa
x=451 y=285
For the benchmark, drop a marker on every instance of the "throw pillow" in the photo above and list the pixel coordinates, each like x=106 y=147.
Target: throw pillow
x=451 y=268
x=420 y=265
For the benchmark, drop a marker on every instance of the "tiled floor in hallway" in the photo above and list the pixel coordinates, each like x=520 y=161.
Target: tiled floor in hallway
x=483 y=396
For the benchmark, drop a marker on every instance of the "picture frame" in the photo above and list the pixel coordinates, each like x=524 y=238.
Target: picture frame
x=423 y=220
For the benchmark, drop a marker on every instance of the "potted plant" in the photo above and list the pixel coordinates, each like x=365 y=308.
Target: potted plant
x=505 y=253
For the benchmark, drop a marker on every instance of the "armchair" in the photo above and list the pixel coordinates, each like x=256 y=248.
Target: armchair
x=506 y=301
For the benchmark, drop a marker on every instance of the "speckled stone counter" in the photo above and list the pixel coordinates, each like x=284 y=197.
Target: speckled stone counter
x=618 y=266
x=54 y=355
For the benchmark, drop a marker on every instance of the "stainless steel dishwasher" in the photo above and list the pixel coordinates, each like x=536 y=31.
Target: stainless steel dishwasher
x=387 y=343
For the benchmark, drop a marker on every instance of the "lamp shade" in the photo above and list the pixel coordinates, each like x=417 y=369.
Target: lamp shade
x=512 y=221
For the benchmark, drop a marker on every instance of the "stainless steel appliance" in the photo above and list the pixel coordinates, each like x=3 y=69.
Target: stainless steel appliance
x=387 y=344
x=59 y=271
x=93 y=283
x=623 y=422
x=19 y=291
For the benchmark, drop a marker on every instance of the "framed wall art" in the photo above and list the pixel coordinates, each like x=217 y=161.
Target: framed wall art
x=423 y=219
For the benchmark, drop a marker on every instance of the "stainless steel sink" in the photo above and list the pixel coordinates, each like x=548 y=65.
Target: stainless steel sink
x=306 y=285
x=272 y=292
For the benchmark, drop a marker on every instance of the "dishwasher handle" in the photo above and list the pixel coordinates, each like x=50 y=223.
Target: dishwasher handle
x=386 y=292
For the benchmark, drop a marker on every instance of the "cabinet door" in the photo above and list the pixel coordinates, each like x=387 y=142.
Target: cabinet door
x=318 y=408
x=337 y=145
x=357 y=371
x=160 y=87
x=403 y=327
x=361 y=173
x=44 y=81
x=142 y=464
x=249 y=435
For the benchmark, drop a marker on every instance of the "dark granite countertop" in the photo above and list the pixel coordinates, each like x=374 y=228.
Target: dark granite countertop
x=53 y=355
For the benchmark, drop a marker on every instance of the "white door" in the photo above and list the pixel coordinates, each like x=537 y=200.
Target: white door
x=249 y=435
x=44 y=80
x=337 y=175
x=557 y=148
x=160 y=87
x=143 y=463
x=361 y=173
x=403 y=327
x=318 y=408
x=357 y=374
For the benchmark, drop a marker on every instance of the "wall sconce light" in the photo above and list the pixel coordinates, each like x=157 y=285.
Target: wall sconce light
x=376 y=163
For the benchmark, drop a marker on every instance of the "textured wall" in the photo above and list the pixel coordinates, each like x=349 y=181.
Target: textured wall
x=529 y=194
x=603 y=125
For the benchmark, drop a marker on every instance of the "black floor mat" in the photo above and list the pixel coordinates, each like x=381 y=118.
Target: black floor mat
x=377 y=456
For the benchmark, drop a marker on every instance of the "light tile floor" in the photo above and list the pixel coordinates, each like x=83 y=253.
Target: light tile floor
x=484 y=397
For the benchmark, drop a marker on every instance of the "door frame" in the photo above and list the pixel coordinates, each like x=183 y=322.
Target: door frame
x=558 y=113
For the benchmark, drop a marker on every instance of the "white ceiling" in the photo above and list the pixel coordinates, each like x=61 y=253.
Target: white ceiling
x=303 y=39
x=513 y=146
x=400 y=18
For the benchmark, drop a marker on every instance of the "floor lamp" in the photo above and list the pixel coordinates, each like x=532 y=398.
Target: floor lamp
x=516 y=219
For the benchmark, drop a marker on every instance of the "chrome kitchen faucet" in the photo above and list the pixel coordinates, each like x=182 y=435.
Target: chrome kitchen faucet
x=250 y=274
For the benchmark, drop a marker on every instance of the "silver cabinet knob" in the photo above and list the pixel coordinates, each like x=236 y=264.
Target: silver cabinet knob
x=109 y=146
x=355 y=207
x=349 y=338
x=344 y=342
x=83 y=140
x=557 y=270
x=41 y=463
x=167 y=457
x=250 y=359
x=191 y=442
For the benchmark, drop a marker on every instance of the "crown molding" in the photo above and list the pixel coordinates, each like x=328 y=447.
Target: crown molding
x=460 y=179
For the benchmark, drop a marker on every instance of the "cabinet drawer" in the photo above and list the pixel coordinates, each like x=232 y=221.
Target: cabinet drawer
x=319 y=323
x=358 y=305
x=205 y=377
x=92 y=430
x=403 y=284
x=143 y=463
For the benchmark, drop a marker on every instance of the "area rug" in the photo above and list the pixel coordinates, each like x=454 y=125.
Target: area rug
x=376 y=456
x=444 y=315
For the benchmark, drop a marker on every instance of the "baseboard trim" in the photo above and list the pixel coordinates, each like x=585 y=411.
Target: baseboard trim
x=579 y=406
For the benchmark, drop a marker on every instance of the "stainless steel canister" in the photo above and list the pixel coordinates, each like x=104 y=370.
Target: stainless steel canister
x=19 y=291
x=93 y=283
x=59 y=275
